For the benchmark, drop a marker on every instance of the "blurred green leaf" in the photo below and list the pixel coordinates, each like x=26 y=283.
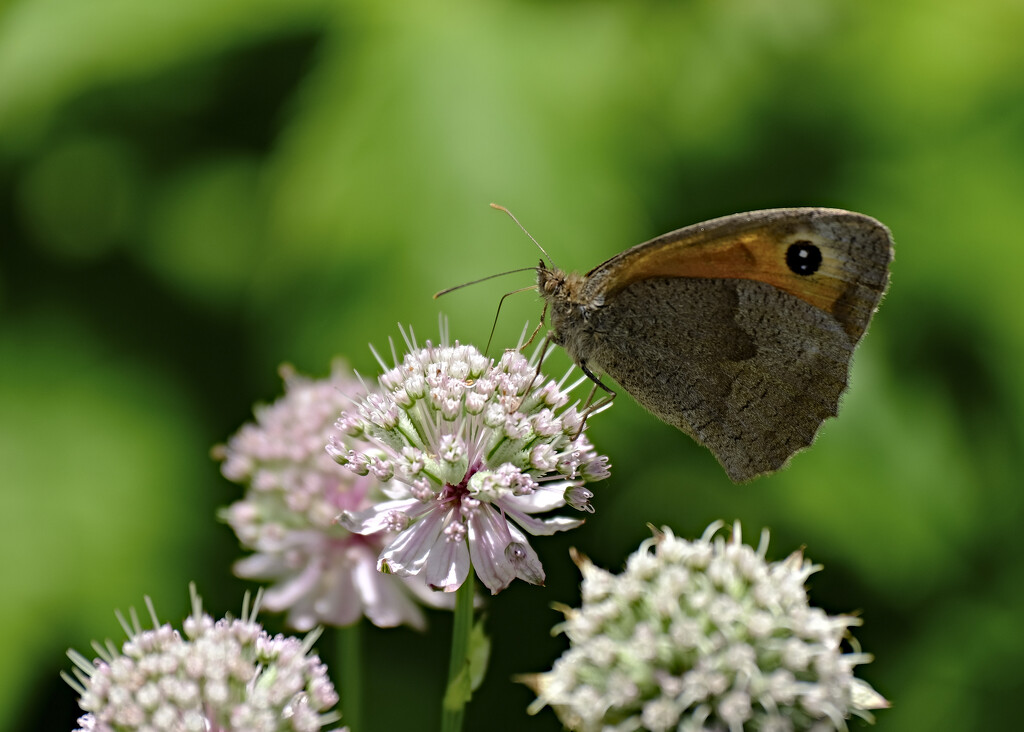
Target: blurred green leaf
x=54 y=50
x=100 y=492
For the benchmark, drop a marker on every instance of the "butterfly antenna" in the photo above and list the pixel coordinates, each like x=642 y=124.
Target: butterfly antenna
x=483 y=279
x=512 y=216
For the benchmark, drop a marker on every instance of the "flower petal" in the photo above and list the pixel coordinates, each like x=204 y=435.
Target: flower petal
x=488 y=537
x=384 y=602
x=523 y=558
x=408 y=553
x=378 y=517
x=546 y=497
x=285 y=594
x=448 y=564
x=542 y=527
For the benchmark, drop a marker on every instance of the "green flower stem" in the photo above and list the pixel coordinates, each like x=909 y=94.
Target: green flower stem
x=458 y=691
x=349 y=643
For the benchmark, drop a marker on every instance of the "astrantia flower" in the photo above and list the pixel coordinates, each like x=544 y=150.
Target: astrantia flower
x=224 y=676
x=323 y=573
x=706 y=636
x=474 y=449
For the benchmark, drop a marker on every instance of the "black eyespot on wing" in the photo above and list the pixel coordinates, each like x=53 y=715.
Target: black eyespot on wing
x=803 y=258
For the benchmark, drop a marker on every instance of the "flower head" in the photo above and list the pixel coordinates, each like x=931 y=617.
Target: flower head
x=703 y=635
x=322 y=572
x=473 y=449
x=224 y=675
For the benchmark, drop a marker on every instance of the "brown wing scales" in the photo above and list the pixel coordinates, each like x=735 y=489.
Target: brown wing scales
x=746 y=370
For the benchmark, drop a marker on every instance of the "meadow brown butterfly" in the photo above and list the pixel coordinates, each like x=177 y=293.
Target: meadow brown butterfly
x=739 y=331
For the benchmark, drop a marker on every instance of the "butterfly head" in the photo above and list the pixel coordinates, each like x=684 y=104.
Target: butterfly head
x=561 y=293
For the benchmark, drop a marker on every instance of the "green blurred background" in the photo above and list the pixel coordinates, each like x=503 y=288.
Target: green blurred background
x=192 y=193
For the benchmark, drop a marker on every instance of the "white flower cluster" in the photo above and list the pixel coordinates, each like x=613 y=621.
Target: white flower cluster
x=474 y=448
x=321 y=572
x=703 y=636
x=224 y=675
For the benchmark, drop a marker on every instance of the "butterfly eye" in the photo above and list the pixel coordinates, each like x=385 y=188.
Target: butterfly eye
x=803 y=258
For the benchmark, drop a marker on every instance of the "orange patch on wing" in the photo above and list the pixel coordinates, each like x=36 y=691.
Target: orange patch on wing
x=755 y=255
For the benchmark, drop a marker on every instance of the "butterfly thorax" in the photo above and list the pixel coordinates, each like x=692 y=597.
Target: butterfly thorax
x=569 y=308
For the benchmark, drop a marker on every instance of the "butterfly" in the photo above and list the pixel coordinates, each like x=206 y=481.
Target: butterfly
x=739 y=331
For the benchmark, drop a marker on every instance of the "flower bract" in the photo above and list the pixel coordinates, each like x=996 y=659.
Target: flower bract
x=473 y=450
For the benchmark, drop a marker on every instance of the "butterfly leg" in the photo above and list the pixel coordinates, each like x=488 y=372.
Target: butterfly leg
x=497 y=313
x=592 y=407
x=536 y=331
x=540 y=361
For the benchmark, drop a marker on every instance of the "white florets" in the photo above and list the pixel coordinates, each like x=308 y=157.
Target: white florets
x=227 y=674
x=703 y=635
x=475 y=448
